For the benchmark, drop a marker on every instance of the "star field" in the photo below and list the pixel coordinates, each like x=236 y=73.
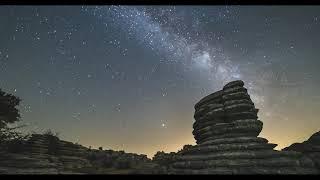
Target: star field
x=127 y=77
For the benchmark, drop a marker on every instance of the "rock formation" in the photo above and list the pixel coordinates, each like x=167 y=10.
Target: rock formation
x=32 y=158
x=119 y=162
x=47 y=154
x=226 y=129
x=309 y=148
x=71 y=155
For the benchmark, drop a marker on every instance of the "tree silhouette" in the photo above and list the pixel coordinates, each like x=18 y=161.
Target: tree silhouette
x=9 y=114
x=8 y=111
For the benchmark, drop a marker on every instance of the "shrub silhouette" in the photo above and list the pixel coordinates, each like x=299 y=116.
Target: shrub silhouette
x=10 y=139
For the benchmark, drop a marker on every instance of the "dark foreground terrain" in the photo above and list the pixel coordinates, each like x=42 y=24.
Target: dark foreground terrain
x=226 y=130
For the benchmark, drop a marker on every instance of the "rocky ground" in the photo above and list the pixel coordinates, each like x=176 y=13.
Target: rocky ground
x=226 y=128
x=309 y=148
x=46 y=154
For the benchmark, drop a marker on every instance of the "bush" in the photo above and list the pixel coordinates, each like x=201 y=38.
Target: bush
x=8 y=109
x=186 y=147
x=163 y=158
x=9 y=138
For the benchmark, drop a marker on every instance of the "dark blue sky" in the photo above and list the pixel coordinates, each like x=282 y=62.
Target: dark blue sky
x=127 y=77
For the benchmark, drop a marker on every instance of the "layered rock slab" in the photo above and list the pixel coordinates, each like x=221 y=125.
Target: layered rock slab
x=226 y=128
x=309 y=148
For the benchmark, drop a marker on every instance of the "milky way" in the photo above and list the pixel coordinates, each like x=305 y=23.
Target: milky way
x=165 y=33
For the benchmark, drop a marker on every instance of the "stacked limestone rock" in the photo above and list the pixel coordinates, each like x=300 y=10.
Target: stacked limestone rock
x=32 y=160
x=309 y=148
x=37 y=145
x=3 y=153
x=2 y=148
x=226 y=130
x=226 y=113
x=72 y=155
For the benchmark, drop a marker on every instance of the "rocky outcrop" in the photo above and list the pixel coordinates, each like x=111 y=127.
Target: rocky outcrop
x=119 y=162
x=47 y=154
x=72 y=156
x=116 y=159
x=309 y=148
x=32 y=158
x=226 y=128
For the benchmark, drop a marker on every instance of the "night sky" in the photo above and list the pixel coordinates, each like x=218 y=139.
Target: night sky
x=127 y=77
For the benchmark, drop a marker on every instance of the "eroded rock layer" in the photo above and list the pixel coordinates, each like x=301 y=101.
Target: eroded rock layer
x=309 y=148
x=32 y=157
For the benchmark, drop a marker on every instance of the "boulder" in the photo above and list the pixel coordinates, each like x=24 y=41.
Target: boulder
x=309 y=148
x=233 y=84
